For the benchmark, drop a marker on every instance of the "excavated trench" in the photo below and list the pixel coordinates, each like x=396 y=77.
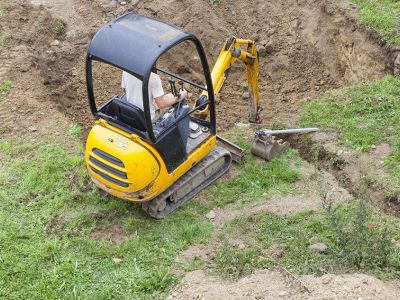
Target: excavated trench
x=308 y=47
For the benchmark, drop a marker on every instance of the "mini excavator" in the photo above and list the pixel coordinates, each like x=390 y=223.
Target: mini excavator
x=159 y=164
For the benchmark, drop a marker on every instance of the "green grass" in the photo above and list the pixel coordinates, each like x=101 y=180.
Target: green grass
x=2 y=13
x=383 y=16
x=48 y=208
x=296 y=233
x=256 y=179
x=4 y=37
x=363 y=115
x=5 y=87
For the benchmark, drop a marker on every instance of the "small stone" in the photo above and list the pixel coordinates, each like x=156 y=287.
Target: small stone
x=262 y=52
x=32 y=128
x=245 y=95
x=117 y=260
x=373 y=147
x=271 y=31
x=241 y=246
x=269 y=47
x=242 y=125
x=282 y=294
x=326 y=279
x=319 y=247
x=55 y=43
x=396 y=70
x=255 y=38
x=123 y=3
x=396 y=245
x=211 y=215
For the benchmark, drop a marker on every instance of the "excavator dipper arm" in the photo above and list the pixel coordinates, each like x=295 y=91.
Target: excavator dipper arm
x=246 y=52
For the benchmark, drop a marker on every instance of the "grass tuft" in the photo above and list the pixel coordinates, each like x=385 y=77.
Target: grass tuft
x=4 y=37
x=60 y=27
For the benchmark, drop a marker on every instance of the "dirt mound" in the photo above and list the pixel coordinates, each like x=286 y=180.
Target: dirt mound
x=265 y=284
x=27 y=110
x=310 y=47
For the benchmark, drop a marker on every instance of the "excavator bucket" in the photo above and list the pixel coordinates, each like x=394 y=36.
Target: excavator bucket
x=268 y=146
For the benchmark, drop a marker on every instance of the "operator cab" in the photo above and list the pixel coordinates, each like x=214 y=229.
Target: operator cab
x=140 y=45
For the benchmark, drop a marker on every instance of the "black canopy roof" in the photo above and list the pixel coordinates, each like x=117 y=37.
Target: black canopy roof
x=134 y=42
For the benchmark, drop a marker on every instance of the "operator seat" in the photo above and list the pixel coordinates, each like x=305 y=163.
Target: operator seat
x=127 y=113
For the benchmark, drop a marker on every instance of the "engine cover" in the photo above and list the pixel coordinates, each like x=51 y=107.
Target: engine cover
x=120 y=165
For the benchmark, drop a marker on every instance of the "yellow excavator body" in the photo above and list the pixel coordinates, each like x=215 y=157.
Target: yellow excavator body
x=133 y=158
x=128 y=167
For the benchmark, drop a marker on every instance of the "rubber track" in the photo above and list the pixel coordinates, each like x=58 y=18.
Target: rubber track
x=161 y=205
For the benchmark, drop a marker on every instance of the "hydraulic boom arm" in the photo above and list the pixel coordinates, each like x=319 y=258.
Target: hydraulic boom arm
x=245 y=51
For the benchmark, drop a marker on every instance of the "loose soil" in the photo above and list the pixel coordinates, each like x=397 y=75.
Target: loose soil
x=265 y=284
x=311 y=47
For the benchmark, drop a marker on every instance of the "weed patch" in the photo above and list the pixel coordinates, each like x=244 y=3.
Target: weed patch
x=357 y=240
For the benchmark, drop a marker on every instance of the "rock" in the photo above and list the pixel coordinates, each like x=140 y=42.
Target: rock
x=242 y=125
x=326 y=279
x=255 y=37
x=396 y=70
x=55 y=43
x=373 y=147
x=241 y=246
x=271 y=32
x=123 y=3
x=319 y=247
x=396 y=244
x=117 y=260
x=269 y=47
x=262 y=52
x=32 y=128
x=282 y=294
x=211 y=215
x=245 y=95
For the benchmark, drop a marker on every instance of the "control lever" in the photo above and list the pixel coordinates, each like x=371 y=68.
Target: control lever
x=176 y=93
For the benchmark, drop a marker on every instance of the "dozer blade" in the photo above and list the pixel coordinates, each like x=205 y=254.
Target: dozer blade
x=237 y=153
x=213 y=166
x=268 y=147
